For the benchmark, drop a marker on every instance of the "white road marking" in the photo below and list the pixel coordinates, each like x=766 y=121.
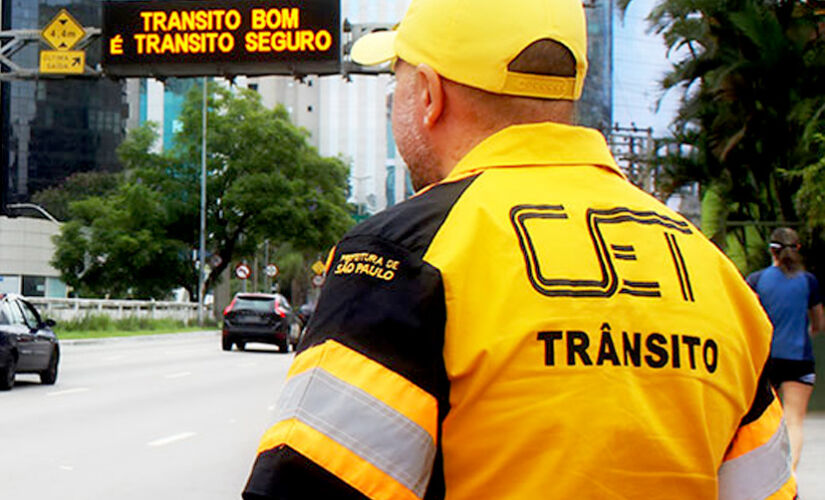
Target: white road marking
x=69 y=391
x=178 y=352
x=171 y=439
x=66 y=467
x=177 y=375
x=272 y=407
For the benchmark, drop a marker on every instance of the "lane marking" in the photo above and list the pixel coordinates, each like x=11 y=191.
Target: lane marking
x=171 y=439
x=66 y=467
x=177 y=375
x=178 y=352
x=68 y=392
x=272 y=407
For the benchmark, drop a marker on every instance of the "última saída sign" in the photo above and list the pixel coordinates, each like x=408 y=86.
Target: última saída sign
x=221 y=37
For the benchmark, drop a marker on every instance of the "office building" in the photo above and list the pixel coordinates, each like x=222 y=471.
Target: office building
x=595 y=109
x=49 y=129
x=52 y=128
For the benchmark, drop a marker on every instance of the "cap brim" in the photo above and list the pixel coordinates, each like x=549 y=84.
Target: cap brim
x=376 y=48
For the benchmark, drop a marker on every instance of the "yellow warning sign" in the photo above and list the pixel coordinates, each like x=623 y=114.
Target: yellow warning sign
x=318 y=267
x=65 y=62
x=63 y=31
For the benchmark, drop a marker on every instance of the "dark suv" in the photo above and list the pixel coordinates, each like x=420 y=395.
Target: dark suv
x=260 y=317
x=27 y=343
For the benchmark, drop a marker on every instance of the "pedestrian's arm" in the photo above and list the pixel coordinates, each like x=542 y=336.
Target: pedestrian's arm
x=817 y=319
x=360 y=414
x=816 y=316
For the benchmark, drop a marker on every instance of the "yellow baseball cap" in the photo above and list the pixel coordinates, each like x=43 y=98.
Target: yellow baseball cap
x=472 y=42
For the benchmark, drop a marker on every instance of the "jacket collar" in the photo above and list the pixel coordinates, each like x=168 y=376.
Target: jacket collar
x=550 y=144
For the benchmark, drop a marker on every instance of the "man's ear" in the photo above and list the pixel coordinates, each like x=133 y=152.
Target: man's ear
x=432 y=94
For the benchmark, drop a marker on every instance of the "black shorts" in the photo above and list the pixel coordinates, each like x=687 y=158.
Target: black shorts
x=790 y=370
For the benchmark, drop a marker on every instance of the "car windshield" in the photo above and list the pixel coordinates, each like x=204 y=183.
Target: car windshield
x=260 y=304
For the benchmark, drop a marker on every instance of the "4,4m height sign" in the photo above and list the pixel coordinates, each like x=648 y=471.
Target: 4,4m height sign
x=221 y=37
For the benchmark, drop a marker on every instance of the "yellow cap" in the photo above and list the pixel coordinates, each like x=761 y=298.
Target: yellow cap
x=473 y=41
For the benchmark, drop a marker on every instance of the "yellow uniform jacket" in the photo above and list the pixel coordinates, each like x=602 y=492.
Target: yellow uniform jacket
x=532 y=327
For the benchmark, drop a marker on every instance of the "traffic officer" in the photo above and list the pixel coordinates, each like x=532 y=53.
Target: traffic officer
x=529 y=325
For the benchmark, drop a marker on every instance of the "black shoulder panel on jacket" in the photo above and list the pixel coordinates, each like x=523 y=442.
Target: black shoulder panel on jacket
x=763 y=399
x=383 y=300
x=380 y=298
x=413 y=223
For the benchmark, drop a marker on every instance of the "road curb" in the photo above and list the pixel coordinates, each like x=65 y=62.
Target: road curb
x=140 y=338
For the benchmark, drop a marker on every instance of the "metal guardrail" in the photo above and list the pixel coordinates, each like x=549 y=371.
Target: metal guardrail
x=63 y=309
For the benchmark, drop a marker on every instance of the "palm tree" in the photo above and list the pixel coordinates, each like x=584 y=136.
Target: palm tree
x=751 y=76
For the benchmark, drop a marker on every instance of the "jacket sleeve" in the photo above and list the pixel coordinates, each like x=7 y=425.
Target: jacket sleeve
x=360 y=413
x=757 y=464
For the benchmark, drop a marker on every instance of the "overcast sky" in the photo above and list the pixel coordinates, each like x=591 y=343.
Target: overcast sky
x=640 y=60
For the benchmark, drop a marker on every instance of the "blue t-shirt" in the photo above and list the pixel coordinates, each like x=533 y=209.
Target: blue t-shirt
x=787 y=300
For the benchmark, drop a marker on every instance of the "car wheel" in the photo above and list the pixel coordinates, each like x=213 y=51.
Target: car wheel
x=226 y=344
x=7 y=377
x=284 y=346
x=49 y=375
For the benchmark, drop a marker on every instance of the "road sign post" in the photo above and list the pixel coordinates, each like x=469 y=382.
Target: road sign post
x=63 y=31
x=62 y=62
x=319 y=267
x=242 y=271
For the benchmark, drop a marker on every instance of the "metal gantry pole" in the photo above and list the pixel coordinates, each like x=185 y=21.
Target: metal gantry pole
x=267 y=279
x=202 y=245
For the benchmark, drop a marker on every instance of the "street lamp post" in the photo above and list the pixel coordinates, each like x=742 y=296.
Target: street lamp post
x=202 y=245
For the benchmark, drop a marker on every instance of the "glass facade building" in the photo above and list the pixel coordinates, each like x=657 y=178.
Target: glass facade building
x=52 y=128
x=596 y=106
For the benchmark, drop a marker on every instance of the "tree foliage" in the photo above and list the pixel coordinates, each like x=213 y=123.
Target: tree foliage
x=751 y=74
x=810 y=199
x=264 y=181
x=117 y=245
x=76 y=187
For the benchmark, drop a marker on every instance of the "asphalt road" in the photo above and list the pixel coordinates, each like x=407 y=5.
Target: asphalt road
x=811 y=470
x=173 y=418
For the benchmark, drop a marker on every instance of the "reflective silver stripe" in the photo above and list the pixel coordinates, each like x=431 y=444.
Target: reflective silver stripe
x=363 y=424
x=760 y=473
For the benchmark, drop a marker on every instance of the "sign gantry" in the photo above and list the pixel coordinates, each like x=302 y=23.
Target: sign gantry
x=65 y=35
x=181 y=38
x=221 y=38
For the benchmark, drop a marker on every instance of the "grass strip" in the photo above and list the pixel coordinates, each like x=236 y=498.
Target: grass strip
x=96 y=326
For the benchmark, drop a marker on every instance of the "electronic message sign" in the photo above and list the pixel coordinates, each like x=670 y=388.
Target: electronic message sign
x=221 y=37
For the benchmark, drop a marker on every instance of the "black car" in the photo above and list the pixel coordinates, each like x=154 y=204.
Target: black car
x=260 y=317
x=27 y=343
